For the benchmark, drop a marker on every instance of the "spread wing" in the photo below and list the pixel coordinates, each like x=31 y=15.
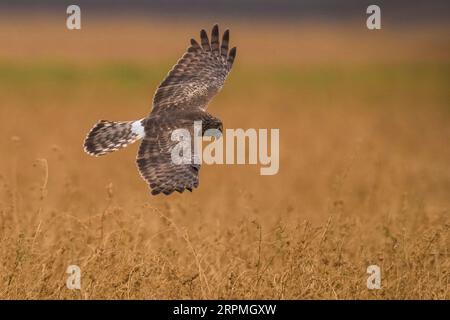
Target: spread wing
x=197 y=76
x=155 y=162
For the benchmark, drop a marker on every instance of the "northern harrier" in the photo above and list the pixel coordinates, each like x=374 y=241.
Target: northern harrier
x=180 y=99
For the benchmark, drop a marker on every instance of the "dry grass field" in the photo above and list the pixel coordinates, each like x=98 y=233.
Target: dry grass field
x=364 y=175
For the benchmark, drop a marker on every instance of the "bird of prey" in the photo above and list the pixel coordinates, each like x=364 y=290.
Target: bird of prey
x=180 y=99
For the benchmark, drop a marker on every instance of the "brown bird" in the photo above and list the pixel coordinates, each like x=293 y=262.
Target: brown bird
x=180 y=99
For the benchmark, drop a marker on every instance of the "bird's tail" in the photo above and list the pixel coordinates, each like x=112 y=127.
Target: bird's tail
x=108 y=136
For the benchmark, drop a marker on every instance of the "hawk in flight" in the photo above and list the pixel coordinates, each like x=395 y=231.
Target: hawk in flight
x=180 y=99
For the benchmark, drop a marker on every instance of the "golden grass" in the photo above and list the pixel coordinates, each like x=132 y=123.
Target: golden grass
x=364 y=175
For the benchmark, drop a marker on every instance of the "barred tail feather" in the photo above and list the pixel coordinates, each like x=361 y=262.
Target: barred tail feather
x=108 y=136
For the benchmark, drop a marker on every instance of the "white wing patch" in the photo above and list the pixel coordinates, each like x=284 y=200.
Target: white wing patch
x=138 y=129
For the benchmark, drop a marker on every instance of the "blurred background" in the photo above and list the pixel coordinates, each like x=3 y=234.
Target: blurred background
x=364 y=175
